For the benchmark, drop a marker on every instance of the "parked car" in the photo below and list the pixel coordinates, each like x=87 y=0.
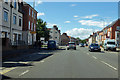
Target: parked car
x=52 y=44
x=81 y=45
x=110 y=44
x=71 y=45
x=94 y=47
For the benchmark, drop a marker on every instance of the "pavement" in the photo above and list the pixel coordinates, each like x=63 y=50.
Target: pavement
x=64 y=63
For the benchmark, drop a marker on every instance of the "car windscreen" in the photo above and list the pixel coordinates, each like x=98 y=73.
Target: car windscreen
x=110 y=42
x=94 y=45
x=71 y=43
x=52 y=42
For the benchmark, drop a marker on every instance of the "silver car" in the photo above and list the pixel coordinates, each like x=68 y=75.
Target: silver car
x=71 y=45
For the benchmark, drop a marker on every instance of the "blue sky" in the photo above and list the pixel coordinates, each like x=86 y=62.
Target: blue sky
x=77 y=19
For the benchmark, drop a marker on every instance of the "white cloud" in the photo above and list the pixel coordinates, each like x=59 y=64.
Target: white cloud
x=90 y=16
x=73 y=5
x=93 y=23
x=75 y=16
x=82 y=33
x=67 y=22
x=40 y=14
x=50 y=25
x=38 y=2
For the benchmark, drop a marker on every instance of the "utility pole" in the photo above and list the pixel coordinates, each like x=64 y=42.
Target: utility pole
x=33 y=20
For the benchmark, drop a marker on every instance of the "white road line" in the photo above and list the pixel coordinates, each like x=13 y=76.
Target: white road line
x=42 y=61
x=109 y=65
x=24 y=72
x=87 y=53
x=94 y=57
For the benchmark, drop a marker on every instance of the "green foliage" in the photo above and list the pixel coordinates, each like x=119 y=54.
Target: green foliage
x=42 y=30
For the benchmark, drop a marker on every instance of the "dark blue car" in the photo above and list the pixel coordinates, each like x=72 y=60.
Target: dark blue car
x=52 y=44
x=94 y=47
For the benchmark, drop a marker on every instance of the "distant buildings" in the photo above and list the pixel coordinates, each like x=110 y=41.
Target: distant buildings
x=55 y=34
x=64 y=39
x=111 y=31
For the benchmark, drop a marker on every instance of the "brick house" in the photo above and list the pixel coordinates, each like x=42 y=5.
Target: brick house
x=64 y=39
x=113 y=31
x=29 y=24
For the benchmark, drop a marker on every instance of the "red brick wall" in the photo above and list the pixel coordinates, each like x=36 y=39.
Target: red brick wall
x=27 y=18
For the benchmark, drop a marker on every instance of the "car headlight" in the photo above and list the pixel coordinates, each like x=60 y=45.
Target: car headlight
x=91 y=47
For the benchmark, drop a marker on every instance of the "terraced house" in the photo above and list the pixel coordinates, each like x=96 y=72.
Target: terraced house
x=29 y=24
x=11 y=21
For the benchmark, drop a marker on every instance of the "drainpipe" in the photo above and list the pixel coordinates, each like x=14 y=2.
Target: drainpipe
x=11 y=6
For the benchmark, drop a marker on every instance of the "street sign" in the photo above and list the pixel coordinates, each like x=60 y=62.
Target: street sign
x=42 y=38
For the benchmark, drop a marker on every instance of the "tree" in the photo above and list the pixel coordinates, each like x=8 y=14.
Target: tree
x=42 y=30
x=78 y=40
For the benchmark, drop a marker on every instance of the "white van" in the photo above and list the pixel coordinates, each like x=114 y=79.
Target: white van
x=110 y=44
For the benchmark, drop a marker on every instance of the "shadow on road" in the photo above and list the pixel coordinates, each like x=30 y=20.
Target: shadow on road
x=2 y=77
x=29 y=59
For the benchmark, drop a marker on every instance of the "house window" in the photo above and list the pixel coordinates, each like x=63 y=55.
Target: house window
x=29 y=11
x=6 y=1
x=29 y=25
x=55 y=32
x=118 y=27
x=118 y=35
x=32 y=13
x=34 y=27
x=20 y=21
x=14 y=19
x=56 y=37
x=5 y=16
x=15 y=3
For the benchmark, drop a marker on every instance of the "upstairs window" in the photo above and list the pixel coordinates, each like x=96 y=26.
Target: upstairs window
x=34 y=27
x=5 y=16
x=32 y=13
x=34 y=16
x=29 y=25
x=14 y=19
x=118 y=27
x=20 y=22
x=15 y=4
x=29 y=11
x=6 y=1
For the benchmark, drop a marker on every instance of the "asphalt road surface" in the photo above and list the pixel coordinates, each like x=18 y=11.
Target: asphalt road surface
x=78 y=63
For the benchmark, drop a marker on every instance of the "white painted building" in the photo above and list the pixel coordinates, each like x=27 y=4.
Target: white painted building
x=11 y=21
x=55 y=34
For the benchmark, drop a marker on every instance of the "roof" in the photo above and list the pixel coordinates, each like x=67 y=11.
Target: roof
x=112 y=23
x=25 y=3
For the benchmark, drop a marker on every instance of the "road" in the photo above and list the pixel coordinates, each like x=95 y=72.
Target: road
x=78 y=63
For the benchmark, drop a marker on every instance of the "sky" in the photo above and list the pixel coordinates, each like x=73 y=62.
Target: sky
x=77 y=19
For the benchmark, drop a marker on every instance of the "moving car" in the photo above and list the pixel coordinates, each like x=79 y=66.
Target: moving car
x=94 y=47
x=110 y=44
x=71 y=45
x=81 y=45
x=52 y=44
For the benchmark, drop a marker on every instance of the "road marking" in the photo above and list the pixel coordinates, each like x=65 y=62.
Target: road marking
x=6 y=70
x=94 y=57
x=109 y=65
x=42 y=61
x=24 y=72
x=87 y=53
